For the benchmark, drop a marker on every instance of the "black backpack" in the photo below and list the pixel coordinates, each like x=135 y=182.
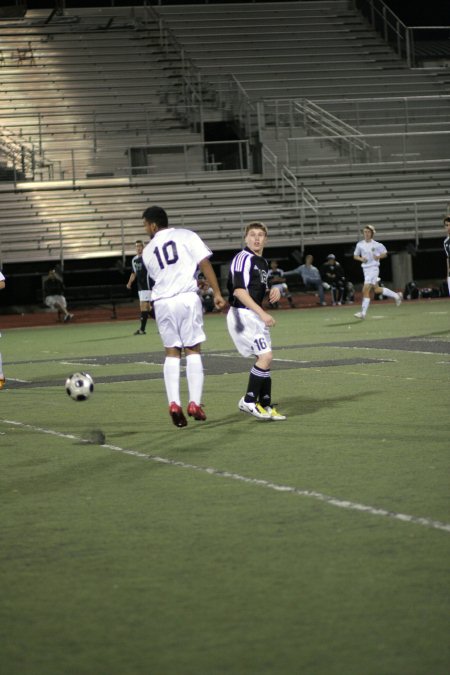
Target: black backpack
x=411 y=291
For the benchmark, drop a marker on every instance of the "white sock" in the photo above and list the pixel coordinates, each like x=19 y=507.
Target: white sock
x=365 y=305
x=195 y=377
x=448 y=284
x=1 y=365
x=389 y=294
x=172 y=378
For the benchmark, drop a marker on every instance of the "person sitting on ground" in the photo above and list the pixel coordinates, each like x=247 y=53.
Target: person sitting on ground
x=333 y=275
x=310 y=276
x=206 y=294
x=54 y=295
x=275 y=279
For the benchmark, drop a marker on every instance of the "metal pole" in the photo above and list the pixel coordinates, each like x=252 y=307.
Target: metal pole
x=408 y=47
x=72 y=152
x=94 y=125
x=385 y=34
x=61 y=247
x=40 y=131
x=147 y=126
x=416 y=224
x=241 y=158
x=122 y=235
x=302 y=222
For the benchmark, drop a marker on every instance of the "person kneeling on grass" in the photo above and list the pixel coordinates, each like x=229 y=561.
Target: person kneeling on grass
x=248 y=323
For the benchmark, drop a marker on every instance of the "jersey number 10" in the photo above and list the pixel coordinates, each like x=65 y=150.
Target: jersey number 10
x=169 y=253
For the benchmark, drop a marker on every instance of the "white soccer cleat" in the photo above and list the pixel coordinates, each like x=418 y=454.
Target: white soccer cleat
x=254 y=409
x=399 y=299
x=275 y=416
x=359 y=315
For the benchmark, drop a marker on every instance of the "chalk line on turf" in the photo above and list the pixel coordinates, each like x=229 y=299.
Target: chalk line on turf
x=319 y=496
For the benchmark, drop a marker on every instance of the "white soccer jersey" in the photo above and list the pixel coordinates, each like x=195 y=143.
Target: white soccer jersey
x=171 y=259
x=367 y=249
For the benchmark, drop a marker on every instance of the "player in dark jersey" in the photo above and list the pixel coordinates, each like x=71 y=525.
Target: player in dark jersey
x=248 y=323
x=447 y=249
x=139 y=274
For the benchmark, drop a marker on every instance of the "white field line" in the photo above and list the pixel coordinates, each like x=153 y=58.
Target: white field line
x=319 y=496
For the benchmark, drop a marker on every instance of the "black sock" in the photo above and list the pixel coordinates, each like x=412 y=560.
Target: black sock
x=265 y=393
x=259 y=384
x=144 y=318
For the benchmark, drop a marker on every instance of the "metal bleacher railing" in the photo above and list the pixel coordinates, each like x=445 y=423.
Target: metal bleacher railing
x=393 y=30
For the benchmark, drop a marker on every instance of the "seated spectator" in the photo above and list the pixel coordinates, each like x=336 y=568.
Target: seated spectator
x=54 y=295
x=206 y=294
x=310 y=276
x=275 y=278
x=349 y=293
x=333 y=275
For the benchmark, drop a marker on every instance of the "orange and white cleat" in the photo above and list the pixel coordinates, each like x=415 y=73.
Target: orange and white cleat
x=2 y=381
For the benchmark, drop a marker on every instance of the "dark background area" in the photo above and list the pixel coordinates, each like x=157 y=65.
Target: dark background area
x=412 y=12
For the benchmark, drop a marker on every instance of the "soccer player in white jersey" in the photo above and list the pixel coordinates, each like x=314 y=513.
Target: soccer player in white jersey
x=172 y=258
x=248 y=323
x=369 y=253
x=447 y=249
x=2 y=377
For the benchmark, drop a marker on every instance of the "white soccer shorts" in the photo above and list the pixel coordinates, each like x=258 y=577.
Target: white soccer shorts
x=180 y=320
x=248 y=332
x=145 y=296
x=53 y=300
x=371 y=275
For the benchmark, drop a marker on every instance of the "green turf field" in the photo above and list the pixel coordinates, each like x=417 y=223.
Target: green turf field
x=314 y=546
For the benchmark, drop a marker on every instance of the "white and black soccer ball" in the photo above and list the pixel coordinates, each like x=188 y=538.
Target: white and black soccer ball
x=79 y=386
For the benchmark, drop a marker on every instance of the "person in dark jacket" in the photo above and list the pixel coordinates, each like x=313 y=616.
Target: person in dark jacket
x=54 y=295
x=333 y=275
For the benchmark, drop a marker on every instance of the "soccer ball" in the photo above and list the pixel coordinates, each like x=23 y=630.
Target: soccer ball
x=79 y=386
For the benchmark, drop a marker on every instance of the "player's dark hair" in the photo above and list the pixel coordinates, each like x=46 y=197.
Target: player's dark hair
x=139 y=241
x=446 y=220
x=157 y=215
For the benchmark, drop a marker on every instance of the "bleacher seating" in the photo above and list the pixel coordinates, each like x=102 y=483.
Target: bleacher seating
x=99 y=218
x=295 y=49
x=88 y=87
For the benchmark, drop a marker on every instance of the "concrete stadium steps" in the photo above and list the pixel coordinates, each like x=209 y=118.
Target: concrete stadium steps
x=393 y=200
x=99 y=217
x=72 y=68
x=295 y=49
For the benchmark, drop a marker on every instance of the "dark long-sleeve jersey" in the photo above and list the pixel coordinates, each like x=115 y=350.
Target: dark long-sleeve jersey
x=247 y=271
